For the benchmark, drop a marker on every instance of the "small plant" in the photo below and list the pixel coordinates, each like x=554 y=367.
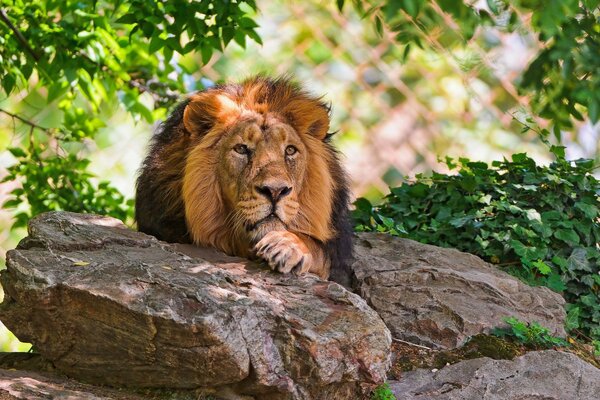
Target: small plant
x=531 y=335
x=383 y=392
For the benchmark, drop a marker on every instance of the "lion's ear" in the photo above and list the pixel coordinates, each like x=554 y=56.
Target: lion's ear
x=207 y=109
x=309 y=117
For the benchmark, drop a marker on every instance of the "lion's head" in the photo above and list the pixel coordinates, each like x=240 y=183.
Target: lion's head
x=260 y=163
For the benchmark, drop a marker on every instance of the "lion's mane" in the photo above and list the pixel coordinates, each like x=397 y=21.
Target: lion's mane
x=198 y=121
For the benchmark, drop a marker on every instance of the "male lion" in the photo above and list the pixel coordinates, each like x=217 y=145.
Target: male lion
x=248 y=169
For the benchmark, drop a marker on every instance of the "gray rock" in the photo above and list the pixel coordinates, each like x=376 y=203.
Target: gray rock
x=112 y=306
x=25 y=385
x=540 y=375
x=440 y=297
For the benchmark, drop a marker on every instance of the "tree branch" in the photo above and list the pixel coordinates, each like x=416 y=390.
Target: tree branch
x=20 y=38
x=136 y=83
x=26 y=121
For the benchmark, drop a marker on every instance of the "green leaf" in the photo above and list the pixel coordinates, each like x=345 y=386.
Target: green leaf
x=572 y=320
x=363 y=204
x=17 y=152
x=558 y=151
x=578 y=261
x=554 y=282
x=8 y=83
x=378 y=26
x=589 y=210
x=206 y=52
x=127 y=19
x=493 y=7
x=13 y=203
x=567 y=235
x=542 y=267
x=520 y=157
x=533 y=215
x=155 y=43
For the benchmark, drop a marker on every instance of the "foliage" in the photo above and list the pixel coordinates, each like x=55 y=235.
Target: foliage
x=60 y=183
x=383 y=392
x=532 y=335
x=540 y=223
x=563 y=78
x=86 y=56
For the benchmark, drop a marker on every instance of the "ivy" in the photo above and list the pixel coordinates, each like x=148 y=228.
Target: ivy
x=539 y=223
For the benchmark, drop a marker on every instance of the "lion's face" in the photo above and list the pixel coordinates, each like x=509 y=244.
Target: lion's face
x=262 y=169
x=257 y=163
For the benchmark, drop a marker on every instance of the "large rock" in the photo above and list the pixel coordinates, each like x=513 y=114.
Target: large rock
x=440 y=297
x=24 y=385
x=541 y=375
x=112 y=306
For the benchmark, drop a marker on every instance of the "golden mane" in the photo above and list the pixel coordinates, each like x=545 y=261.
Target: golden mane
x=210 y=113
x=181 y=179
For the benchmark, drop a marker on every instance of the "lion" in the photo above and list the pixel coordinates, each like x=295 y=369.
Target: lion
x=249 y=169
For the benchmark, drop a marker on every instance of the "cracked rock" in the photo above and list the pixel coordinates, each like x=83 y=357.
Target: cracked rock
x=111 y=306
x=538 y=375
x=440 y=297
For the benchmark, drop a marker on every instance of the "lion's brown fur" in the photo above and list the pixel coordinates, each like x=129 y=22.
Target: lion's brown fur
x=181 y=192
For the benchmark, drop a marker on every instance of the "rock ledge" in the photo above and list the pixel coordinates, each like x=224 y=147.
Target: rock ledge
x=112 y=306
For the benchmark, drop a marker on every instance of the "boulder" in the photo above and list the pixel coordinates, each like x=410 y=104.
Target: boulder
x=547 y=375
x=111 y=306
x=440 y=297
x=25 y=385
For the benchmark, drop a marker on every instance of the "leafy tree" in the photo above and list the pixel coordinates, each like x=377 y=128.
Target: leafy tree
x=85 y=56
x=564 y=77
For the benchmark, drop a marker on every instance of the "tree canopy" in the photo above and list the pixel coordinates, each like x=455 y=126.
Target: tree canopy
x=87 y=56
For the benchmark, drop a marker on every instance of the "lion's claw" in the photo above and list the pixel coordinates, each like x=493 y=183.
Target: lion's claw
x=284 y=252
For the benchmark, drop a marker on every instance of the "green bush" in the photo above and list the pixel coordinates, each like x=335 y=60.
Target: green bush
x=539 y=223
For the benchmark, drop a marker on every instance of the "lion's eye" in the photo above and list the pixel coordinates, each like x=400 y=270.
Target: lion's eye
x=241 y=149
x=290 y=150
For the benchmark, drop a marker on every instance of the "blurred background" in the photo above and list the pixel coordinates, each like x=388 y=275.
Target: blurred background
x=397 y=113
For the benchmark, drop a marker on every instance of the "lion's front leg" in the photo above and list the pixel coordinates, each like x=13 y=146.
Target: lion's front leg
x=289 y=252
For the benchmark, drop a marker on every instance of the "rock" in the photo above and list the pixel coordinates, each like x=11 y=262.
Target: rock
x=111 y=306
x=440 y=297
x=543 y=375
x=23 y=385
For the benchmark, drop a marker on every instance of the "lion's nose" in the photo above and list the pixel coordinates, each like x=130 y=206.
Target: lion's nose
x=274 y=192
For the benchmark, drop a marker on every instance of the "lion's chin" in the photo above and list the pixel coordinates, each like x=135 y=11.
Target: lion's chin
x=260 y=229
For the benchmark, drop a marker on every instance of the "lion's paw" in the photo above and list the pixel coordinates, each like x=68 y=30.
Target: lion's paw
x=284 y=252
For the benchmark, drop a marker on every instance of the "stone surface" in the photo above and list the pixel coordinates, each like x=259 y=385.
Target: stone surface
x=111 y=306
x=23 y=385
x=539 y=375
x=440 y=297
